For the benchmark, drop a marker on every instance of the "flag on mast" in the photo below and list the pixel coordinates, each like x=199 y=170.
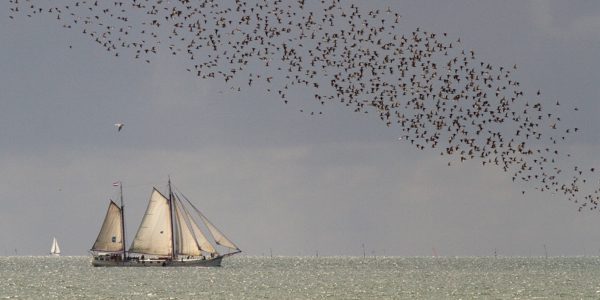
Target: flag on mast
x=116 y=183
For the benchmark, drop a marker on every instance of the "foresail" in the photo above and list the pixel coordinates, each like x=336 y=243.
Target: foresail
x=200 y=237
x=109 y=239
x=154 y=234
x=217 y=235
x=185 y=242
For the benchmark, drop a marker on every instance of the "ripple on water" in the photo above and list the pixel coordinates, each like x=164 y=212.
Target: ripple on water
x=244 y=277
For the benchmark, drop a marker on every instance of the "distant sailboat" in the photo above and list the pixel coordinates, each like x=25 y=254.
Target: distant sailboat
x=55 y=250
x=163 y=239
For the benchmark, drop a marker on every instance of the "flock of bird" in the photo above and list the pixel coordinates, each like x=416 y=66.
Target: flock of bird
x=329 y=51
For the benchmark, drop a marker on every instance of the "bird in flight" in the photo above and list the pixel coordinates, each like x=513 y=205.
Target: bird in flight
x=119 y=126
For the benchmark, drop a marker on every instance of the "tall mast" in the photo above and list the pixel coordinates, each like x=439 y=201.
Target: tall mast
x=173 y=254
x=122 y=221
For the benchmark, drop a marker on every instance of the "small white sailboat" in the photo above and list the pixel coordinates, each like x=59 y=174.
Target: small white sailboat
x=55 y=250
x=168 y=236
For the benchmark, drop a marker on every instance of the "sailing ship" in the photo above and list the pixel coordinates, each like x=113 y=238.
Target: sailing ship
x=55 y=250
x=168 y=236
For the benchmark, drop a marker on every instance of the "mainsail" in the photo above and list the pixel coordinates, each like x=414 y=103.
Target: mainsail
x=154 y=234
x=109 y=239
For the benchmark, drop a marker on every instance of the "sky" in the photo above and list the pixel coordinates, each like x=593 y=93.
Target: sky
x=274 y=179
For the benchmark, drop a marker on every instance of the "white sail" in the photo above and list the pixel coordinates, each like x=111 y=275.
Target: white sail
x=185 y=243
x=154 y=234
x=200 y=237
x=55 y=250
x=110 y=239
x=217 y=235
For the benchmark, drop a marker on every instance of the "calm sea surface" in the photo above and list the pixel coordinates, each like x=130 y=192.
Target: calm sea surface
x=247 y=277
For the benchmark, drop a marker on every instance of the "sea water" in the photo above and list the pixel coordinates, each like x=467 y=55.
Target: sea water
x=247 y=277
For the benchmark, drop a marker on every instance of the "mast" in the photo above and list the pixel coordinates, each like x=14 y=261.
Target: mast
x=122 y=221
x=173 y=254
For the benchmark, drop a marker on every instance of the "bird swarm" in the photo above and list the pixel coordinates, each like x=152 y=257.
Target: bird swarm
x=437 y=93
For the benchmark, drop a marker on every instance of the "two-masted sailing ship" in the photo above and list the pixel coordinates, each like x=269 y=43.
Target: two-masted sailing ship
x=168 y=236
